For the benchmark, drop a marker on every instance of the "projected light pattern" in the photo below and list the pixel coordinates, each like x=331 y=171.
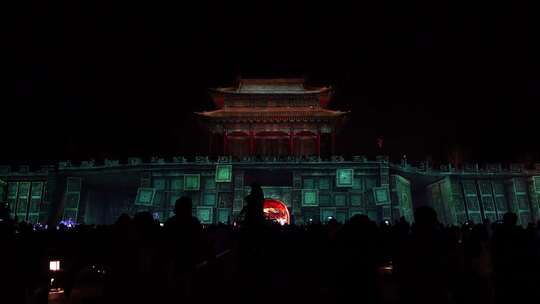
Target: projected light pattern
x=276 y=210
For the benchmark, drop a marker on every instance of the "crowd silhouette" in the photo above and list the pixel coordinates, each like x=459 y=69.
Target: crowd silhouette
x=137 y=260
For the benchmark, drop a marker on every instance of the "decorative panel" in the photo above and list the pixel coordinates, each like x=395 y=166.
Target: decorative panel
x=12 y=196
x=472 y=203
x=381 y=195
x=536 y=183
x=485 y=187
x=371 y=181
x=324 y=199
x=238 y=203
x=224 y=215
x=209 y=184
x=521 y=185
x=522 y=201
x=205 y=215
x=340 y=199
x=177 y=184
x=23 y=200
x=223 y=173
x=356 y=199
x=309 y=183
x=469 y=187
x=344 y=177
x=160 y=183
x=225 y=200
x=358 y=183
x=459 y=204
x=501 y=204
x=386 y=213
x=487 y=202
x=72 y=200
x=34 y=205
x=73 y=184
x=37 y=189
x=498 y=188
x=456 y=187
x=192 y=182
x=324 y=183
x=310 y=198
x=209 y=199
x=145 y=196
x=341 y=215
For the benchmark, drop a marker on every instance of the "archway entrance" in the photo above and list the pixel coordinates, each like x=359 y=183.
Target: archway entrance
x=276 y=210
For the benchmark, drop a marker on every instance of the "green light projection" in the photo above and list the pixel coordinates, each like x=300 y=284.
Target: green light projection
x=381 y=195
x=145 y=196
x=344 y=177
x=310 y=198
x=223 y=215
x=209 y=199
x=192 y=182
x=205 y=215
x=223 y=173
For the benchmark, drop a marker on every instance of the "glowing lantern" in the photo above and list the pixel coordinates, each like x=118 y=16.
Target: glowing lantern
x=54 y=265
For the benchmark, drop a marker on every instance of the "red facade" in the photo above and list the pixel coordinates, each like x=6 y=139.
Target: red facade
x=272 y=117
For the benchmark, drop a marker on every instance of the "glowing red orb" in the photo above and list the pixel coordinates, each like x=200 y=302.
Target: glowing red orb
x=276 y=210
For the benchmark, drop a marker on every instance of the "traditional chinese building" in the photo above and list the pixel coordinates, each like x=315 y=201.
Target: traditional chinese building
x=272 y=117
x=281 y=134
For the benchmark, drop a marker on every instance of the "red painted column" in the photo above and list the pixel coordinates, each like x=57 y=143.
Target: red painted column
x=225 y=143
x=251 y=143
x=318 y=142
x=291 y=142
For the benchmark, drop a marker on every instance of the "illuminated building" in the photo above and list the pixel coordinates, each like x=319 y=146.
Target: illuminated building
x=272 y=117
x=279 y=133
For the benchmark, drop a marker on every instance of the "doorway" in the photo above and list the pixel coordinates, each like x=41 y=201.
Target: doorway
x=276 y=210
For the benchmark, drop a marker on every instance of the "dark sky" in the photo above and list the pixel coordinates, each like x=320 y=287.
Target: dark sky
x=95 y=79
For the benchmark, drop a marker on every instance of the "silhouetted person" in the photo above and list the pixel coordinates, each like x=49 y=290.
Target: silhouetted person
x=478 y=270
x=147 y=265
x=253 y=243
x=423 y=270
x=186 y=247
x=253 y=212
x=510 y=261
x=358 y=256
x=123 y=261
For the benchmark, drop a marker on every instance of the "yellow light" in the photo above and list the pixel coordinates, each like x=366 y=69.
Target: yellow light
x=54 y=265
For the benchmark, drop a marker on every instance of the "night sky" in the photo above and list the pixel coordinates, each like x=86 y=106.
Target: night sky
x=95 y=79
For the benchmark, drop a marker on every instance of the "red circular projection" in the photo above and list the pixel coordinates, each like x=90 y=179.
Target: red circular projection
x=276 y=210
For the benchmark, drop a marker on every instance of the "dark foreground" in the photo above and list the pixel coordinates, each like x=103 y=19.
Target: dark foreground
x=138 y=261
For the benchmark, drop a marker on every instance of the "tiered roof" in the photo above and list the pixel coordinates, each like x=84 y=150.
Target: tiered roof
x=272 y=100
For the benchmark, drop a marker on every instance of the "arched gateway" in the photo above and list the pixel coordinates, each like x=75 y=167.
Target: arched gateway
x=276 y=210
